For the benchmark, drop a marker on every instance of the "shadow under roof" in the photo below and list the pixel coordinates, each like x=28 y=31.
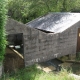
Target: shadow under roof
x=55 y=22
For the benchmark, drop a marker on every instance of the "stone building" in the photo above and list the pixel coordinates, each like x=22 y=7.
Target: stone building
x=47 y=37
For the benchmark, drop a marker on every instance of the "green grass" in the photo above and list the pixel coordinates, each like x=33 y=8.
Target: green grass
x=32 y=73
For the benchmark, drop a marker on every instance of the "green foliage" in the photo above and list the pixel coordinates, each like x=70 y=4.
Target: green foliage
x=27 y=10
x=77 y=6
x=32 y=73
x=18 y=9
x=78 y=56
x=3 y=17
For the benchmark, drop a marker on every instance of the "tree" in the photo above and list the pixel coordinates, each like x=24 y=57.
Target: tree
x=19 y=9
x=27 y=10
x=3 y=18
x=77 y=6
x=68 y=5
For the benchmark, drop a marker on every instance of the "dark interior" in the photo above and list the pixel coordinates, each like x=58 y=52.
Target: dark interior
x=15 y=41
x=14 y=58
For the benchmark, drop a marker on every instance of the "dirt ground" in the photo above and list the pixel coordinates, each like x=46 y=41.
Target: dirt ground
x=74 y=67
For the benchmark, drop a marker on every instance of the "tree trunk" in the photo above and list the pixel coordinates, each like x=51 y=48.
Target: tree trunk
x=1 y=67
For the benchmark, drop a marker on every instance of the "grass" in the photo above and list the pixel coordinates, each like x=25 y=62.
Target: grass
x=32 y=73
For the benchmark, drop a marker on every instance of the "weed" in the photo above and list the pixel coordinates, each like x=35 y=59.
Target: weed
x=32 y=73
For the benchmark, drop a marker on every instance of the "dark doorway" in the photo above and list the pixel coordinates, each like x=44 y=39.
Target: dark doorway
x=15 y=41
x=78 y=40
x=14 y=57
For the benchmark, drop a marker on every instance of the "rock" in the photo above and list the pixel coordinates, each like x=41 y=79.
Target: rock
x=76 y=77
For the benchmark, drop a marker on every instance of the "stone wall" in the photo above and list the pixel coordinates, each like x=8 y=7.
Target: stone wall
x=67 y=43
x=40 y=46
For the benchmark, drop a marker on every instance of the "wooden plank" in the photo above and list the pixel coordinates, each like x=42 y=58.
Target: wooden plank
x=16 y=52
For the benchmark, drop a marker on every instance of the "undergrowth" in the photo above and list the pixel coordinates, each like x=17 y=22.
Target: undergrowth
x=32 y=73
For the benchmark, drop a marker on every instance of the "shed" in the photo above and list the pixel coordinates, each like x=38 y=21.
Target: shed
x=50 y=36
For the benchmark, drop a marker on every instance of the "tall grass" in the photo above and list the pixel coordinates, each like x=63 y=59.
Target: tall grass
x=32 y=73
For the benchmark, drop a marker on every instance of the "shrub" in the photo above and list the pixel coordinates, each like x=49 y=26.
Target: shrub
x=3 y=18
x=32 y=73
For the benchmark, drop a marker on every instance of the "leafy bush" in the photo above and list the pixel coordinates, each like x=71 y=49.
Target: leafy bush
x=27 y=10
x=78 y=56
x=3 y=18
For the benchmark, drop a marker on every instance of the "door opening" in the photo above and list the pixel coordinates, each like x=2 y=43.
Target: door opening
x=15 y=41
x=78 y=42
x=14 y=57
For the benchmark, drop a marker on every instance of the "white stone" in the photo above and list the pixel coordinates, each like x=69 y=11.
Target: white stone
x=76 y=77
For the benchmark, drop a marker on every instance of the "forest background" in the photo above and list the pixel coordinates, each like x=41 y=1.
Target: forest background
x=27 y=10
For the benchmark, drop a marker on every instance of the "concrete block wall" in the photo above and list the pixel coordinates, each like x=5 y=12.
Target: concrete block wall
x=67 y=43
x=40 y=46
x=49 y=45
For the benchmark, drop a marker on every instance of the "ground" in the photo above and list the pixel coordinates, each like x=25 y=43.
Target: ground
x=74 y=67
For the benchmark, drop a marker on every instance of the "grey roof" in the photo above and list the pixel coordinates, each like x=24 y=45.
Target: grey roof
x=55 y=22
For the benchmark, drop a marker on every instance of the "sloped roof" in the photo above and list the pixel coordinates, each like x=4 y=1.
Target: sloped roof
x=55 y=22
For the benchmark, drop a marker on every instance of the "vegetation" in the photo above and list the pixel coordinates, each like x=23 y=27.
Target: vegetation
x=32 y=73
x=78 y=56
x=3 y=18
x=27 y=10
